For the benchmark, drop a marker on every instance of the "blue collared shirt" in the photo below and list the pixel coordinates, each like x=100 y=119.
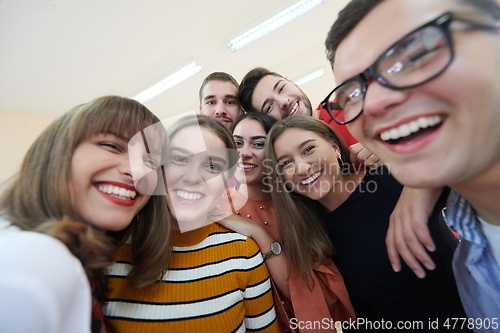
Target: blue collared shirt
x=476 y=271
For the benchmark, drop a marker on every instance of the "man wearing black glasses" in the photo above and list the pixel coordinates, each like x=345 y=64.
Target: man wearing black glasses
x=419 y=85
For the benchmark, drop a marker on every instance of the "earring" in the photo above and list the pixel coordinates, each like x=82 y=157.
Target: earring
x=341 y=162
x=344 y=167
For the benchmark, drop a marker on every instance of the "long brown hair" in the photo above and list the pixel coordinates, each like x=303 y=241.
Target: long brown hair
x=39 y=198
x=300 y=219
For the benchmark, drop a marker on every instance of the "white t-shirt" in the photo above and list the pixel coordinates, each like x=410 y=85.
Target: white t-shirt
x=492 y=233
x=43 y=287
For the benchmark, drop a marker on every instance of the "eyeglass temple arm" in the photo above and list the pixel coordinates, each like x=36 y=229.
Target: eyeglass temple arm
x=478 y=25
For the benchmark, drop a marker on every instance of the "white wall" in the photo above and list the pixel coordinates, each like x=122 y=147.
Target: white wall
x=17 y=133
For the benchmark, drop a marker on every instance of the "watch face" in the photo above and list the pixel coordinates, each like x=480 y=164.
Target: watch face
x=276 y=247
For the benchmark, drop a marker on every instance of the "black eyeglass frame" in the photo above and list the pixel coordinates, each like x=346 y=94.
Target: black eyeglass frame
x=442 y=22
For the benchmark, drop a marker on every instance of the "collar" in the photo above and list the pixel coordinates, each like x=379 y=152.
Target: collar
x=463 y=218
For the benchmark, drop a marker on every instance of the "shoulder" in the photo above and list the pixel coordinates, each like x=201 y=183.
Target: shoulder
x=241 y=242
x=383 y=177
x=41 y=280
x=34 y=247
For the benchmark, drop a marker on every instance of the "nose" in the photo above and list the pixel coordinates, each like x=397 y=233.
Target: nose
x=302 y=167
x=380 y=99
x=125 y=170
x=245 y=152
x=192 y=175
x=282 y=102
x=220 y=109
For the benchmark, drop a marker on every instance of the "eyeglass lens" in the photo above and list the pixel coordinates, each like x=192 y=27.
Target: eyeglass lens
x=415 y=59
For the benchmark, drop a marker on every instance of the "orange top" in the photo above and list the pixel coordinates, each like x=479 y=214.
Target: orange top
x=327 y=299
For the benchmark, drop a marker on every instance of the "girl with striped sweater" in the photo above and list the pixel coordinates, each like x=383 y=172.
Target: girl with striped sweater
x=216 y=280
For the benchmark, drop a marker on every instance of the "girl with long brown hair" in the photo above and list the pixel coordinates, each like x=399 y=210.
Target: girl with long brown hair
x=304 y=293
x=312 y=186
x=76 y=185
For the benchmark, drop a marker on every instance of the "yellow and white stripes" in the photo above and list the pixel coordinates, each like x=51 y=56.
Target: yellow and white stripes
x=217 y=282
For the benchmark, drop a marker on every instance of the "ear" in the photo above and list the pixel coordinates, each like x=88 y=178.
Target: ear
x=336 y=147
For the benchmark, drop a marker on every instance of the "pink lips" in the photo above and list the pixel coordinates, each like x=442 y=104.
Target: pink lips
x=224 y=120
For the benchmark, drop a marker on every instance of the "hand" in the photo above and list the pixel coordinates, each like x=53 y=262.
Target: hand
x=408 y=234
x=360 y=154
x=241 y=225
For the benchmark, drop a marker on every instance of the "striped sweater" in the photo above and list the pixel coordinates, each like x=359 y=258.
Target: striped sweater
x=217 y=282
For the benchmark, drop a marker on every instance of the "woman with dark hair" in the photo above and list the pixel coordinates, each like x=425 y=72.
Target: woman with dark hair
x=76 y=185
x=311 y=180
x=306 y=288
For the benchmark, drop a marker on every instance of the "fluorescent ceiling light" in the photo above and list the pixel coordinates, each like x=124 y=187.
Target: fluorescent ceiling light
x=168 y=82
x=309 y=77
x=269 y=25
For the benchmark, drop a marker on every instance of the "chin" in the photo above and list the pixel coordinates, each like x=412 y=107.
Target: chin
x=188 y=223
x=190 y=214
x=420 y=176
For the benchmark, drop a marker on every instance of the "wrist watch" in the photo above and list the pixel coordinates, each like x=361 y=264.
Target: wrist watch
x=274 y=251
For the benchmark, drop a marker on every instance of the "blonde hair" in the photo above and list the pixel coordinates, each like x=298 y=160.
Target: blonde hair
x=300 y=220
x=39 y=198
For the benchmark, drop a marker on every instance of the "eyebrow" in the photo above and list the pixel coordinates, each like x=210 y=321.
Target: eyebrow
x=188 y=152
x=119 y=136
x=257 y=137
x=267 y=99
x=300 y=146
x=216 y=158
x=213 y=96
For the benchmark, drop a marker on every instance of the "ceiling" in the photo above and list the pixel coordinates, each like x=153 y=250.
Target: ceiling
x=56 y=54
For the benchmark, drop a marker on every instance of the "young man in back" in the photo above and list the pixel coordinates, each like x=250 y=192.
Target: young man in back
x=265 y=91
x=218 y=98
x=419 y=86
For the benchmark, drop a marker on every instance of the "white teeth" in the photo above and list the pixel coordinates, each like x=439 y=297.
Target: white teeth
x=294 y=109
x=405 y=130
x=414 y=126
x=118 y=191
x=189 y=196
x=422 y=122
x=247 y=166
x=410 y=128
x=310 y=179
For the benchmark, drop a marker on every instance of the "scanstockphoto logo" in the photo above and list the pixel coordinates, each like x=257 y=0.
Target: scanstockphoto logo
x=276 y=180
